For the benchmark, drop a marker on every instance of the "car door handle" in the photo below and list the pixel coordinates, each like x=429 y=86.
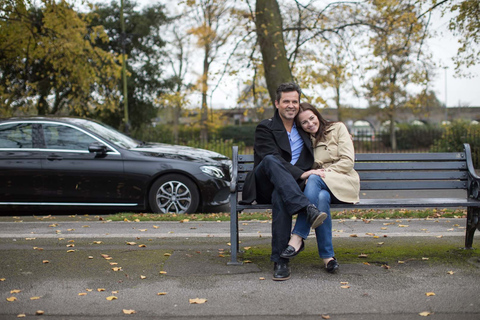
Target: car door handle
x=54 y=158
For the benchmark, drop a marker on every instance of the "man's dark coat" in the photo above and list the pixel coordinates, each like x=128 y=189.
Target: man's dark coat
x=271 y=138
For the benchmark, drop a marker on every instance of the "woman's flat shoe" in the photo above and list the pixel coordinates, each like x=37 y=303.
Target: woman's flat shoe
x=332 y=266
x=290 y=251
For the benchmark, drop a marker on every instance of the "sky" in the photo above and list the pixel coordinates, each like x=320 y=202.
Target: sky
x=449 y=88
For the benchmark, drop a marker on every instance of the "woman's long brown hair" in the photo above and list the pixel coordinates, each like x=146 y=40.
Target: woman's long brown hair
x=323 y=124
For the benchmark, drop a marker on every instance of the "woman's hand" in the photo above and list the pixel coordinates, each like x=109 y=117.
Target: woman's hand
x=318 y=172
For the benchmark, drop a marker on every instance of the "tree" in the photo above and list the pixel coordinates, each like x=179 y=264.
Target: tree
x=466 y=24
x=143 y=44
x=398 y=59
x=50 y=62
x=212 y=33
x=269 y=25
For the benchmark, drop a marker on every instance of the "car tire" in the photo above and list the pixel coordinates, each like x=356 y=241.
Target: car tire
x=174 y=193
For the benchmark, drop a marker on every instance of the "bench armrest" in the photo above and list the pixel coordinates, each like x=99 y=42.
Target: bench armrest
x=473 y=179
x=233 y=183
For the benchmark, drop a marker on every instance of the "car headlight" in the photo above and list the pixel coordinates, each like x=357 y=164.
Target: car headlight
x=212 y=171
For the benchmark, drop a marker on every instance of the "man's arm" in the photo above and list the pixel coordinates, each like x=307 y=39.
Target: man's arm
x=266 y=144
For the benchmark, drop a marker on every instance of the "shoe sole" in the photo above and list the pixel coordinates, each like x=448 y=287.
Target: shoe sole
x=281 y=279
x=319 y=220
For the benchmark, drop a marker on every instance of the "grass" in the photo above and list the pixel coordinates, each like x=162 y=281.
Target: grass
x=391 y=252
x=266 y=215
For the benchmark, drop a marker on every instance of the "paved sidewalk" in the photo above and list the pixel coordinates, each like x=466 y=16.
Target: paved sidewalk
x=67 y=270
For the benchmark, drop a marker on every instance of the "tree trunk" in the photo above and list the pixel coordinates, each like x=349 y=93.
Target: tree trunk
x=337 y=101
x=270 y=38
x=204 y=111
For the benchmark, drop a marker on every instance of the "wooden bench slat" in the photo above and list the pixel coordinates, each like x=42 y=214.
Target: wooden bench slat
x=416 y=175
x=439 y=156
x=391 y=203
x=410 y=166
x=412 y=185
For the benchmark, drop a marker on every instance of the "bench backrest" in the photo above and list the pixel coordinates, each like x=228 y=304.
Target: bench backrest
x=394 y=171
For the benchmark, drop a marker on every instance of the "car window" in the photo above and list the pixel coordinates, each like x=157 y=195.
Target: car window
x=66 y=138
x=16 y=135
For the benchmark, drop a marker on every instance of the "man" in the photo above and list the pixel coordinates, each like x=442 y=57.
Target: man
x=282 y=153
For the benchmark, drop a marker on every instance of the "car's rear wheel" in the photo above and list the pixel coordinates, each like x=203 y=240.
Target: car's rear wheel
x=174 y=193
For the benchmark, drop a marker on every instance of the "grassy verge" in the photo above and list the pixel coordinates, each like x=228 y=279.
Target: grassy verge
x=266 y=215
x=391 y=252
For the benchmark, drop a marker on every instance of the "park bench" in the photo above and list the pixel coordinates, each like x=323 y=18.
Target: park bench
x=386 y=171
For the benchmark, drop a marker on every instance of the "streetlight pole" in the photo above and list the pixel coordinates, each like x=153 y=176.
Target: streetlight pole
x=124 y=72
x=446 y=114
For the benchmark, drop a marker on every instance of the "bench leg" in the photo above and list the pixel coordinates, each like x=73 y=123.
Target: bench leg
x=473 y=223
x=233 y=233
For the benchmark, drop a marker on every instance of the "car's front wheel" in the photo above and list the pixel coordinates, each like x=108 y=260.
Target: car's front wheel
x=174 y=193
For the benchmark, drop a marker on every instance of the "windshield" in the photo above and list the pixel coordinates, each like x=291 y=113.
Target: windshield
x=110 y=134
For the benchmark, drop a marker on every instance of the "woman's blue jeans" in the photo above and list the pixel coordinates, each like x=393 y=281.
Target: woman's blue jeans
x=318 y=193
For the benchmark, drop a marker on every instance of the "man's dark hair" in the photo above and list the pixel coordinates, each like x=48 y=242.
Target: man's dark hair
x=287 y=87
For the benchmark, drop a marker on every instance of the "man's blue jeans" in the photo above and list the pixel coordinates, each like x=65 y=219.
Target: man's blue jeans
x=276 y=185
x=318 y=193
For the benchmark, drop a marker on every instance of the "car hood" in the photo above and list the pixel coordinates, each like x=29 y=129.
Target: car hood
x=181 y=153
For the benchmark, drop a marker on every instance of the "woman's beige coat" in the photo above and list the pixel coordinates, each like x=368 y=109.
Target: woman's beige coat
x=336 y=155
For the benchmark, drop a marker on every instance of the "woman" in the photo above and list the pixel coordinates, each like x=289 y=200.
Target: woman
x=332 y=179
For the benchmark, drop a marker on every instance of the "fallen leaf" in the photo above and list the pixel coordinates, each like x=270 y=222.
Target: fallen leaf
x=353 y=235
x=70 y=245
x=425 y=313
x=97 y=242
x=70 y=229
x=163 y=272
x=386 y=266
x=110 y=298
x=247 y=248
x=131 y=243
x=39 y=312
x=21 y=315
x=3 y=279
x=439 y=237
x=34 y=298
x=126 y=311
x=82 y=294
x=156 y=227
x=403 y=225
x=143 y=277
x=113 y=263
x=117 y=269
x=381 y=243
x=15 y=291
x=85 y=226
x=100 y=289
x=429 y=294
x=90 y=257
x=167 y=254
x=450 y=272
x=30 y=239
x=197 y=301
x=161 y=293
x=400 y=262
x=142 y=230
x=325 y=316
x=89 y=290
x=344 y=282
x=425 y=259
x=247 y=261
x=345 y=287
x=142 y=246
x=70 y=251
x=11 y=299
x=363 y=255
x=261 y=278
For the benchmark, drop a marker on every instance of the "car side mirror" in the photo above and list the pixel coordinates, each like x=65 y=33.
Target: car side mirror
x=97 y=148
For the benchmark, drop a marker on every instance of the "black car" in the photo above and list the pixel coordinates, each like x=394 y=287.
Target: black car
x=77 y=163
